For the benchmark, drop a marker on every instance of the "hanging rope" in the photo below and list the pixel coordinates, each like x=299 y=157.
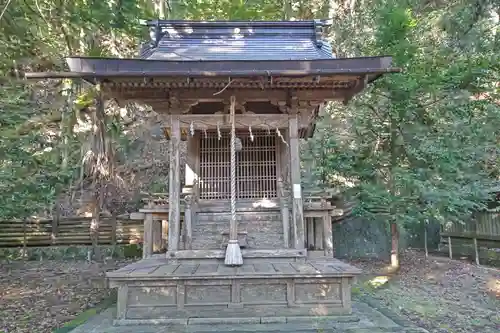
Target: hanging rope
x=233 y=251
x=233 y=161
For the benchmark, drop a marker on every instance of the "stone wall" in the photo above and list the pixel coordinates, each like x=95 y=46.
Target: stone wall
x=264 y=229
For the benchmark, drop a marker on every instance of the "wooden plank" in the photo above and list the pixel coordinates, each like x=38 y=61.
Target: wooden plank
x=226 y=270
x=166 y=269
x=246 y=269
x=284 y=268
x=174 y=185
x=305 y=268
x=205 y=269
x=264 y=268
x=325 y=268
x=137 y=216
x=186 y=269
x=297 y=207
x=144 y=270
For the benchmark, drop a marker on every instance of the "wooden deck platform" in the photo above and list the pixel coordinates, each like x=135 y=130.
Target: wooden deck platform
x=152 y=269
x=154 y=290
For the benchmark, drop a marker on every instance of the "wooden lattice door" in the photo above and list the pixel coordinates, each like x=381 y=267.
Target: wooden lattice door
x=256 y=165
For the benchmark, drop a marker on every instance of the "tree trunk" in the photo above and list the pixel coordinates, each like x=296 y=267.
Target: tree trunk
x=392 y=187
x=426 y=247
x=94 y=225
x=101 y=168
x=394 y=245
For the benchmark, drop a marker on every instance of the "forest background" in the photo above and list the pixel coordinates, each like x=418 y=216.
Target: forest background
x=417 y=149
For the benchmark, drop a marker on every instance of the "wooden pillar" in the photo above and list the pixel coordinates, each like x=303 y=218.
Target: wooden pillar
x=327 y=235
x=285 y=215
x=157 y=235
x=174 y=185
x=190 y=174
x=318 y=234
x=188 y=214
x=147 y=249
x=310 y=232
x=297 y=205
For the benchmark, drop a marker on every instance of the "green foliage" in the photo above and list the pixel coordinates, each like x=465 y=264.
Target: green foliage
x=29 y=164
x=420 y=146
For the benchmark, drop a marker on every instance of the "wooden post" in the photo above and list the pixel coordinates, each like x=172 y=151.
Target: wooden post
x=297 y=207
x=25 y=254
x=188 y=241
x=318 y=234
x=476 y=251
x=327 y=235
x=285 y=214
x=450 y=251
x=474 y=241
x=147 y=249
x=174 y=186
x=311 y=235
x=157 y=234
x=55 y=222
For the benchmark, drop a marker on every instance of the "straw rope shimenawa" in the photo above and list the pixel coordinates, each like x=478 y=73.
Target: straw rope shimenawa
x=233 y=251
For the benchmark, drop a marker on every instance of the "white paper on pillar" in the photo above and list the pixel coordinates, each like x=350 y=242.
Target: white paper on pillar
x=189 y=176
x=297 y=191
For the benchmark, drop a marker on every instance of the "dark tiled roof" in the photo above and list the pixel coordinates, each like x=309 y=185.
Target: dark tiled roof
x=236 y=40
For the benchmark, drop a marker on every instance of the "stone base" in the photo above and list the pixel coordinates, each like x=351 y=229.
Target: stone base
x=155 y=291
x=365 y=319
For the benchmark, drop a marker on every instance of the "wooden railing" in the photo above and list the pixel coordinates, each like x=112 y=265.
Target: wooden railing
x=69 y=231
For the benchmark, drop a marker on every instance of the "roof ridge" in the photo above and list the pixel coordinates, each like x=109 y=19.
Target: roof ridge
x=216 y=23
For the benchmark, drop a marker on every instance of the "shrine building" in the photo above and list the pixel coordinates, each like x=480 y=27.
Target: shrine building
x=244 y=239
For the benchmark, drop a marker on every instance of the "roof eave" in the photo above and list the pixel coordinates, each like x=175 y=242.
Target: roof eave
x=100 y=68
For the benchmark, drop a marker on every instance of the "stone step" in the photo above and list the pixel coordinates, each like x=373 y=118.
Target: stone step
x=242 y=216
x=364 y=319
x=264 y=230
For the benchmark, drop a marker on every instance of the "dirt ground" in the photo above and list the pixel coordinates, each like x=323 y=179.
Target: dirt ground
x=438 y=294
x=38 y=297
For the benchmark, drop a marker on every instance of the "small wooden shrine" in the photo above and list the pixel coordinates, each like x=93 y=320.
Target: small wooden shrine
x=244 y=241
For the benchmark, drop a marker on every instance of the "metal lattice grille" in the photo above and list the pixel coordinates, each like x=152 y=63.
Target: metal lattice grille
x=255 y=165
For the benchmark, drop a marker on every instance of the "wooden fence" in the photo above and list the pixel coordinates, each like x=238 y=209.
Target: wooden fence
x=69 y=231
x=485 y=226
x=478 y=237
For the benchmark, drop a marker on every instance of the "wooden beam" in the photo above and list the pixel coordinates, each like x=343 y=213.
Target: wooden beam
x=189 y=96
x=297 y=206
x=360 y=84
x=221 y=120
x=174 y=186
